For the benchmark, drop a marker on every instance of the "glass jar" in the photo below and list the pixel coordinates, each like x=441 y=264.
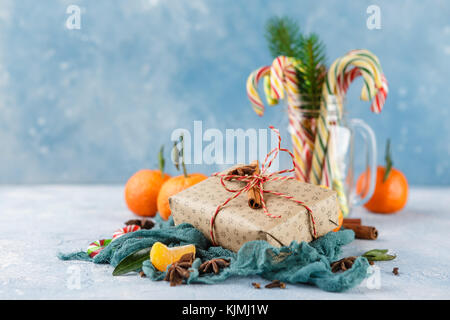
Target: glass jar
x=350 y=142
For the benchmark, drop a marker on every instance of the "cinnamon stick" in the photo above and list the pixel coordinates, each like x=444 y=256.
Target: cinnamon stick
x=352 y=221
x=363 y=232
x=254 y=197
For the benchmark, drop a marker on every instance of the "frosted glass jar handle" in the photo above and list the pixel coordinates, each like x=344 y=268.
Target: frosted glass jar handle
x=368 y=135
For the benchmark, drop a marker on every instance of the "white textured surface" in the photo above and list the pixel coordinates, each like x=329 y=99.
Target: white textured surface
x=36 y=222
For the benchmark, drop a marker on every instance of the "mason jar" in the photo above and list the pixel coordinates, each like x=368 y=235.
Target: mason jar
x=351 y=145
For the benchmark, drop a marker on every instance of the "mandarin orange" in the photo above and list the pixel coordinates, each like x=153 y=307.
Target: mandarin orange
x=141 y=191
x=173 y=186
x=390 y=195
x=391 y=187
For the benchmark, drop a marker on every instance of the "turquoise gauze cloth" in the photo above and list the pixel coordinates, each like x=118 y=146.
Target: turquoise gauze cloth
x=297 y=263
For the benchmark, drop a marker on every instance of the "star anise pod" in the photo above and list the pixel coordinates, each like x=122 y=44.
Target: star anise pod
x=246 y=170
x=143 y=223
x=343 y=264
x=213 y=265
x=179 y=270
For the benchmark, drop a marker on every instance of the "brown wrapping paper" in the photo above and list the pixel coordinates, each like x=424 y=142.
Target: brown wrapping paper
x=237 y=223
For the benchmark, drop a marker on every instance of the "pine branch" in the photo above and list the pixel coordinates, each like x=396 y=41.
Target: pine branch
x=312 y=57
x=284 y=37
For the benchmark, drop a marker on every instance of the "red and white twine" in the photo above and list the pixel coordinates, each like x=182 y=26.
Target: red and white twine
x=258 y=180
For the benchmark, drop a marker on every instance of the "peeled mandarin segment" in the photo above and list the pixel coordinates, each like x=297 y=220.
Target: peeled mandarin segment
x=162 y=256
x=159 y=255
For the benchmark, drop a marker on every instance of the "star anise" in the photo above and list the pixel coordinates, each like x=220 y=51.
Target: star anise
x=343 y=264
x=246 y=170
x=179 y=270
x=143 y=223
x=213 y=265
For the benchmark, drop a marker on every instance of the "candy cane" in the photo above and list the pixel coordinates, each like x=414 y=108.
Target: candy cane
x=339 y=78
x=268 y=91
x=280 y=81
x=375 y=87
x=252 y=89
x=302 y=132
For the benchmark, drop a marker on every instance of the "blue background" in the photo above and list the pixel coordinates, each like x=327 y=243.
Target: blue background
x=94 y=105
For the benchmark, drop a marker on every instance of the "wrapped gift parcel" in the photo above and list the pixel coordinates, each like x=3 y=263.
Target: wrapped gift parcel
x=237 y=223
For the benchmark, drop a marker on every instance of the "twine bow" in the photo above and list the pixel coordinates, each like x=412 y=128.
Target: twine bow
x=257 y=179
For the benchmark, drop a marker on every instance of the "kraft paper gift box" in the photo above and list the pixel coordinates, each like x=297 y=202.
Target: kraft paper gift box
x=237 y=223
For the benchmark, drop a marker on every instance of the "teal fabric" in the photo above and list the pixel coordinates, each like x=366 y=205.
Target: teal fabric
x=303 y=262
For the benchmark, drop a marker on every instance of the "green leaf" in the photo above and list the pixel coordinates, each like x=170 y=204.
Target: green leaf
x=378 y=255
x=377 y=251
x=132 y=262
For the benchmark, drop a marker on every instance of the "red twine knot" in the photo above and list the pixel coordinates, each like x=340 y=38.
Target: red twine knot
x=257 y=180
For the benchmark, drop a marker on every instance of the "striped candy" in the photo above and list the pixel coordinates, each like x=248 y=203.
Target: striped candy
x=310 y=137
x=285 y=79
x=97 y=246
x=341 y=73
x=380 y=97
x=125 y=230
x=339 y=77
x=268 y=91
x=280 y=81
x=252 y=89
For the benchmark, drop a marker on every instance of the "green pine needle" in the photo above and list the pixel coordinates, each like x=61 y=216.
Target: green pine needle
x=312 y=75
x=285 y=38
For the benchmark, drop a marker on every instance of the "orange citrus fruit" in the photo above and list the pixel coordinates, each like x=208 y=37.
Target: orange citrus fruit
x=141 y=191
x=162 y=256
x=340 y=217
x=173 y=186
x=340 y=221
x=390 y=195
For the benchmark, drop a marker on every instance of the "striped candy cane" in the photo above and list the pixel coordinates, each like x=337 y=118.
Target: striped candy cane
x=252 y=89
x=280 y=81
x=284 y=79
x=374 y=87
x=340 y=75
